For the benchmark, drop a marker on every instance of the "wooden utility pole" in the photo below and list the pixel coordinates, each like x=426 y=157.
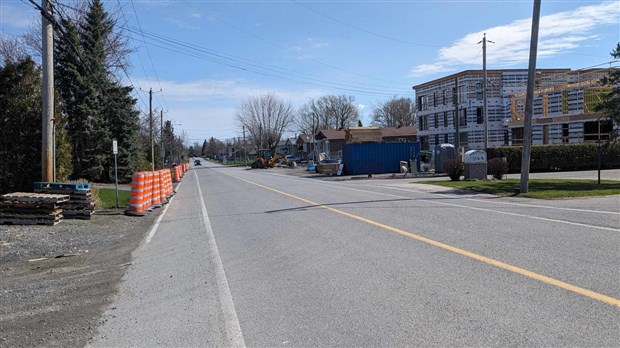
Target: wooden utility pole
x=457 y=119
x=245 y=149
x=47 y=120
x=529 y=102
x=162 y=150
x=151 y=128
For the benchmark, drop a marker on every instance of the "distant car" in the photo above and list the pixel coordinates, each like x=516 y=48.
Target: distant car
x=197 y=163
x=292 y=158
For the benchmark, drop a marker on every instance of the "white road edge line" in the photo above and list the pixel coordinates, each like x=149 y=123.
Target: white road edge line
x=156 y=226
x=233 y=329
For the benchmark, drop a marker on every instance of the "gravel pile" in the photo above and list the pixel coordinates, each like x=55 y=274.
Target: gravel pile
x=57 y=280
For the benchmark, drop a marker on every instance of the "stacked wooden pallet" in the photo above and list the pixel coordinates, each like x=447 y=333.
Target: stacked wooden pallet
x=23 y=208
x=356 y=135
x=80 y=204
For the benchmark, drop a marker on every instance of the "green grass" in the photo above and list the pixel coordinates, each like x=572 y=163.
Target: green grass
x=538 y=188
x=107 y=198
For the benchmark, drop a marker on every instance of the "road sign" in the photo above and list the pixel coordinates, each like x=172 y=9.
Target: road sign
x=114 y=147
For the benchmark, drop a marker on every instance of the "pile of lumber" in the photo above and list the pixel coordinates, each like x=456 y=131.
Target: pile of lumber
x=80 y=204
x=356 y=135
x=24 y=208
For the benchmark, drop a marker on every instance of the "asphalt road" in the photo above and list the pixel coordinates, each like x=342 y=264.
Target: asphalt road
x=262 y=259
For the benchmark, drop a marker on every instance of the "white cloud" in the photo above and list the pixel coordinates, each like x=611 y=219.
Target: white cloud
x=361 y=107
x=559 y=32
x=16 y=17
x=313 y=44
x=208 y=90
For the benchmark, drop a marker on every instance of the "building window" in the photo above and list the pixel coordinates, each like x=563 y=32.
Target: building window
x=454 y=95
x=517 y=136
x=462 y=94
x=445 y=138
x=434 y=99
x=479 y=90
x=463 y=118
x=445 y=119
x=565 y=133
x=422 y=102
x=444 y=97
x=591 y=130
x=436 y=139
x=506 y=137
x=479 y=118
x=436 y=121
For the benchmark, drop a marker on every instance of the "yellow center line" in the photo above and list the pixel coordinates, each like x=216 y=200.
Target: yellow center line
x=551 y=281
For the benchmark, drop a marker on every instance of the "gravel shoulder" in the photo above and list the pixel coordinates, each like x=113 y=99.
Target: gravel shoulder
x=56 y=281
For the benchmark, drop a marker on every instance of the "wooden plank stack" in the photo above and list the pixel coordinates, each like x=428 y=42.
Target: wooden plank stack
x=24 y=208
x=356 y=135
x=80 y=204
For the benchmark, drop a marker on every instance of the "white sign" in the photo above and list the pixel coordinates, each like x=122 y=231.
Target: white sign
x=475 y=156
x=114 y=147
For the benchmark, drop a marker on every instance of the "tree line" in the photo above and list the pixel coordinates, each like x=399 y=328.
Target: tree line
x=267 y=117
x=92 y=104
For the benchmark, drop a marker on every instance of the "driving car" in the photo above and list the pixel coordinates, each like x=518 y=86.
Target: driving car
x=197 y=163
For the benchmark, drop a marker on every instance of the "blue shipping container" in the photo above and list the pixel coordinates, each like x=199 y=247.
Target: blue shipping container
x=378 y=158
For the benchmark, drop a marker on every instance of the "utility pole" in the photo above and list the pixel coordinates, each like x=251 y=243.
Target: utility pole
x=529 y=102
x=457 y=114
x=47 y=120
x=162 y=150
x=485 y=116
x=151 y=128
x=245 y=149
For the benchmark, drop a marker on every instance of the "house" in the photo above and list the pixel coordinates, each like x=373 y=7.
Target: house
x=304 y=144
x=291 y=147
x=563 y=108
x=399 y=134
x=330 y=141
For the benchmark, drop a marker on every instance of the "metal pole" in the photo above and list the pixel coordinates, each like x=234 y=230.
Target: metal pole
x=457 y=118
x=47 y=172
x=116 y=179
x=54 y=149
x=529 y=102
x=245 y=150
x=484 y=92
x=162 y=151
x=599 y=151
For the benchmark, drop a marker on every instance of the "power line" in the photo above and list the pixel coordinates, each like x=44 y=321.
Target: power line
x=149 y=53
x=362 y=29
x=224 y=60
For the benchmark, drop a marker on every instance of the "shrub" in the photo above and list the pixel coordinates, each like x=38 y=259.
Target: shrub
x=454 y=169
x=497 y=167
x=581 y=156
x=425 y=156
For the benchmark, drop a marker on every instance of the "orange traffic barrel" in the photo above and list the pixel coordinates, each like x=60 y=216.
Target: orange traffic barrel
x=138 y=196
x=156 y=189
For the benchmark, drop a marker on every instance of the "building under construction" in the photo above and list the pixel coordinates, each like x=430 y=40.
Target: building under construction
x=564 y=108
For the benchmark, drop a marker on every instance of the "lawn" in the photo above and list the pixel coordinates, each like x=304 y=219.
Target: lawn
x=539 y=188
x=107 y=198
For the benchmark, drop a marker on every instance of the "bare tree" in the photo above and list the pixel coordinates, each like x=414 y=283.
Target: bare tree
x=266 y=118
x=341 y=111
x=394 y=112
x=327 y=112
x=11 y=49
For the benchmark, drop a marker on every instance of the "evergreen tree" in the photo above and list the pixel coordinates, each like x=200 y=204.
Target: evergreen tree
x=98 y=108
x=20 y=125
x=611 y=101
x=204 y=148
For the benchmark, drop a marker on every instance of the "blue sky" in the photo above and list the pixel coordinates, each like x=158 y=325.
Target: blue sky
x=209 y=56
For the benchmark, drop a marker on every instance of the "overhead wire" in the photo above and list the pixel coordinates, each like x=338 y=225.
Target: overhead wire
x=59 y=29
x=362 y=29
x=149 y=54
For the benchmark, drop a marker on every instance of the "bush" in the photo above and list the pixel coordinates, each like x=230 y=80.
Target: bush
x=497 y=167
x=425 y=156
x=546 y=158
x=454 y=169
